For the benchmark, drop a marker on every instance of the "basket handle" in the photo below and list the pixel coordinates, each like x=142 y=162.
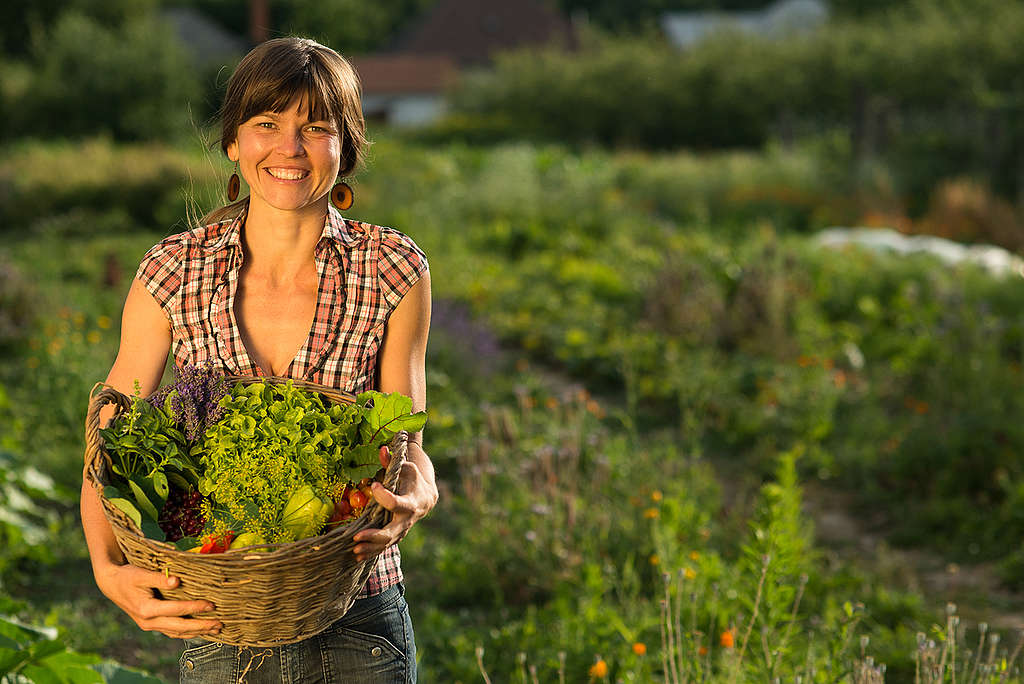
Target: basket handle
x=97 y=400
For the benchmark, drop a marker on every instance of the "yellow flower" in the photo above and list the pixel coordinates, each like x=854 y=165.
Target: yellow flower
x=694 y=555
x=639 y=648
x=93 y=336
x=656 y=495
x=599 y=669
x=651 y=513
x=103 y=322
x=654 y=560
x=689 y=573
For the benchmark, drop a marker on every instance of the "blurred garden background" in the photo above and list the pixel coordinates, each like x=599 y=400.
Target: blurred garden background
x=725 y=365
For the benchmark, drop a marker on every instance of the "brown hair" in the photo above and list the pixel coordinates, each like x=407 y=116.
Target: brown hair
x=277 y=72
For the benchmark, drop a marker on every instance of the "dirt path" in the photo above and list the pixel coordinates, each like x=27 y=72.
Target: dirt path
x=974 y=588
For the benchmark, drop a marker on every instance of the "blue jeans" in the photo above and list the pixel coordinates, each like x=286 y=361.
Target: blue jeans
x=372 y=644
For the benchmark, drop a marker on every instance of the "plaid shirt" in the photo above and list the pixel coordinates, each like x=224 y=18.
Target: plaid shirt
x=364 y=271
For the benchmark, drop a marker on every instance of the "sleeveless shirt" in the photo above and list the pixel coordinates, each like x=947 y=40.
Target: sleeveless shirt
x=363 y=272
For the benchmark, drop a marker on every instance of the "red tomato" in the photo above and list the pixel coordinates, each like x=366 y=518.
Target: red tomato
x=357 y=499
x=385 y=456
x=342 y=510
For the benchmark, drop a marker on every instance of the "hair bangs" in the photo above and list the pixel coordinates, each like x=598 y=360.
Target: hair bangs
x=278 y=94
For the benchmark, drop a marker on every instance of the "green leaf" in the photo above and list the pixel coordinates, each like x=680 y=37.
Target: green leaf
x=389 y=413
x=186 y=543
x=10 y=659
x=160 y=485
x=152 y=530
x=129 y=509
x=115 y=673
x=42 y=674
x=145 y=505
x=178 y=481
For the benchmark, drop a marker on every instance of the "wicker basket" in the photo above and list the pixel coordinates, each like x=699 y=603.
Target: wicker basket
x=277 y=593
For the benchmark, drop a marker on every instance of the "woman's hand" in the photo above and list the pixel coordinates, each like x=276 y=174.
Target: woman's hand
x=416 y=496
x=132 y=589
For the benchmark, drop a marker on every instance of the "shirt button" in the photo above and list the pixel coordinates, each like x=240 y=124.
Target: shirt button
x=190 y=665
x=376 y=651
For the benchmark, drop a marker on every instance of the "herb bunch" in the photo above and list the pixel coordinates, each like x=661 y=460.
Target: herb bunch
x=148 y=453
x=193 y=399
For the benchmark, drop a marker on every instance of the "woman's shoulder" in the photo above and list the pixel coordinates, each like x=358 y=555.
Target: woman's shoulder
x=401 y=263
x=199 y=241
x=394 y=242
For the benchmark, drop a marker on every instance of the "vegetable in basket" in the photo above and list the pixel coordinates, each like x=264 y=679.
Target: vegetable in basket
x=274 y=463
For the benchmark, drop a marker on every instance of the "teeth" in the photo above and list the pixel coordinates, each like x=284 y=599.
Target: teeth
x=287 y=174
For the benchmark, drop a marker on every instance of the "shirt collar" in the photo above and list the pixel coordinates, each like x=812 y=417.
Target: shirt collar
x=337 y=229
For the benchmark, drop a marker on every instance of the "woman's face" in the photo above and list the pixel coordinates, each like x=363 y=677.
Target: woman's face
x=288 y=161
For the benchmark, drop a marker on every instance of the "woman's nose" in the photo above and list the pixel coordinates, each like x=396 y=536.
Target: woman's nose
x=290 y=143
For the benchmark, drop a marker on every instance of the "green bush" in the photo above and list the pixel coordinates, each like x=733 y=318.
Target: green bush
x=146 y=184
x=930 y=87
x=132 y=81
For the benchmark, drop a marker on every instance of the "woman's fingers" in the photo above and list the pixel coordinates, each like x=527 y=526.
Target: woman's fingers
x=132 y=589
x=182 y=628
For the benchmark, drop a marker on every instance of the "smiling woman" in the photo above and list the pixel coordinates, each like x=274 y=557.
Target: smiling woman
x=280 y=283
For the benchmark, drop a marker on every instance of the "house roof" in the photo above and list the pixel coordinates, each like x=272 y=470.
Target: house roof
x=386 y=74
x=206 y=41
x=471 y=31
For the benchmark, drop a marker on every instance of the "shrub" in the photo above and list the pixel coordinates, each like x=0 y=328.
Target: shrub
x=132 y=81
x=17 y=310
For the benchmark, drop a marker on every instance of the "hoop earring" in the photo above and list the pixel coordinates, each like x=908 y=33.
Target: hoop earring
x=234 y=185
x=342 y=195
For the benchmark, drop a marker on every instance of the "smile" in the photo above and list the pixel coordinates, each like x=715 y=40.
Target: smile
x=287 y=174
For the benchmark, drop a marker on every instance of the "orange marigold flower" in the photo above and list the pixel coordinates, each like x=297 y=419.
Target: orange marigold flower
x=694 y=555
x=599 y=669
x=651 y=513
x=640 y=648
x=656 y=495
x=702 y=651
x=595 y=408
x=654 y=560
x=551 y=403
x=805 y=361
x=727 y=639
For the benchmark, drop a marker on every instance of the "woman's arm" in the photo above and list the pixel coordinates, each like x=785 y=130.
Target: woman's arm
x=402 y=367
x=145 y=342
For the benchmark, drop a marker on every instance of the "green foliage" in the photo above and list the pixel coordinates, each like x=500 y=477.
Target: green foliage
x=348 y=26
x=97 y=186
x=935 y=80
x=72 y=91
x=38 y=654
x=22 y=22
x=26 y=521
x=16 y=311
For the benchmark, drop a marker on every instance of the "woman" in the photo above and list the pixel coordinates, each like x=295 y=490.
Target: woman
x=281 y=284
